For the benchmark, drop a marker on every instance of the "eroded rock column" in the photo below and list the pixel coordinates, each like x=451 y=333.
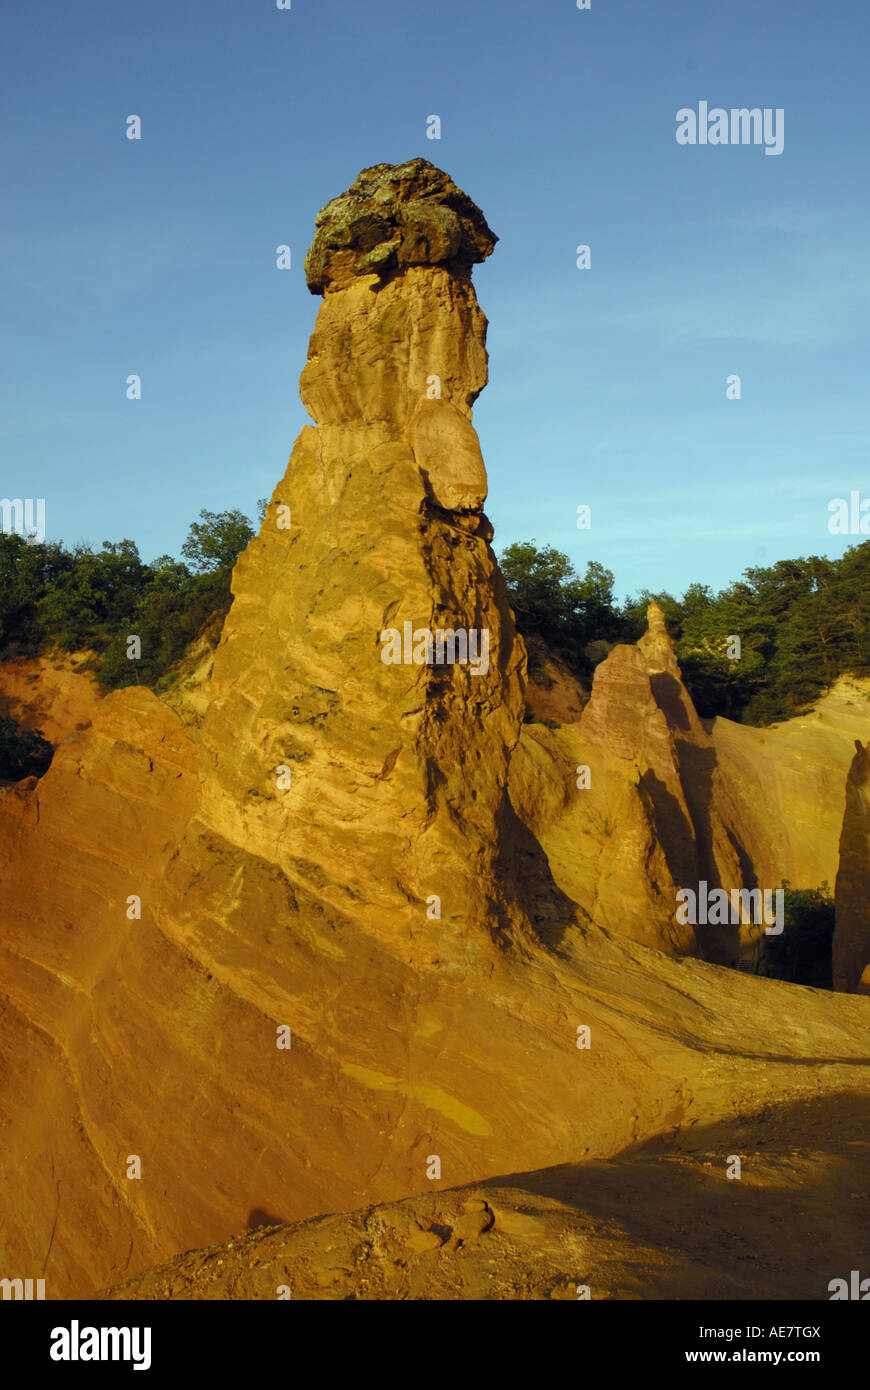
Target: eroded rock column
x=394 y=763
x=851 y=953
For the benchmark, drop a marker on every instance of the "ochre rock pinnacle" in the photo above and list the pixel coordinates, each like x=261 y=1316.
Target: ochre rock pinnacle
x=851 y=953
x=399 y=771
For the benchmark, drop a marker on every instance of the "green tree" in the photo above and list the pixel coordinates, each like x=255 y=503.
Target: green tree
x=86 y=603
x=217 y=540
x=597 y=609
x=26 y=574
x=554 y=605
x=697 y=599
x=169 y=617
x=802 y=953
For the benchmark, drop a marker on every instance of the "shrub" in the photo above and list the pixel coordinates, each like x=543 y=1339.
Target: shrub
x=802 y=953
x=23 y=752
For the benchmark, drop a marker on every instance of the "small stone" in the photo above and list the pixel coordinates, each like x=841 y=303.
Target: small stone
x=420 y=1241
x=471 y=1227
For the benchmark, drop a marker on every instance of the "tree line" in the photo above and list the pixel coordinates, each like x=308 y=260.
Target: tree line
x=84 y=599
x=801 y=623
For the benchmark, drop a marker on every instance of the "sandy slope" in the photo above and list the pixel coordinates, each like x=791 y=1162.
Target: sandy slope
x=660 y=1221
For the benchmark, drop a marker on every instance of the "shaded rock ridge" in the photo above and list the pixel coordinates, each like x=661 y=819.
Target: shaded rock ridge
x=789 y=781
x=671 y=800
x=394 y=216
x=852 y=891
x=398 y=768
x=655 y=815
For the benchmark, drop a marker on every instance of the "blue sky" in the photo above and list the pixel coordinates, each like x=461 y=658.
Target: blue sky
x=607 y=386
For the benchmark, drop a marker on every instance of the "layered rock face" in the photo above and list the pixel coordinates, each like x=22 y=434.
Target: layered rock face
x=53 y=695
x=289 y=966
x=852 y=891
x=82 y=1021
x=789 y=782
